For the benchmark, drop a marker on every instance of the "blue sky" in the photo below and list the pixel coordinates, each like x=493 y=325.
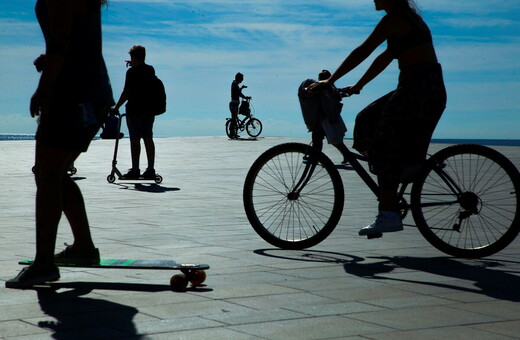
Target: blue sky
x=197 y=47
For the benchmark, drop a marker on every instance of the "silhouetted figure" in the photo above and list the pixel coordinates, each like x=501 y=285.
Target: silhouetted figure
x=72 y=100
x=395 y=130
x=236 y=94
x=139 y=119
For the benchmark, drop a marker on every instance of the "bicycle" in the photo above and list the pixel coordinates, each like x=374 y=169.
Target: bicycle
x=253 y=126
x=464 y=199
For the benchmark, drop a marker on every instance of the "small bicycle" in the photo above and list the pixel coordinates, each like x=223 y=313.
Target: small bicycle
x=464 y=199
x=253 y=126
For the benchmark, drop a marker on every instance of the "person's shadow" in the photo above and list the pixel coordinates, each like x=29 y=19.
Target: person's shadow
x=486 y=275
x=79 y=317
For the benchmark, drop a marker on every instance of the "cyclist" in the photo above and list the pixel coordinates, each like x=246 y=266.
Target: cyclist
x=395 y=130
x=236 y=94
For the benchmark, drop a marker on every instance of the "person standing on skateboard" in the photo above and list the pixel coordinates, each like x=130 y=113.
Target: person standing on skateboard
x=72 y=99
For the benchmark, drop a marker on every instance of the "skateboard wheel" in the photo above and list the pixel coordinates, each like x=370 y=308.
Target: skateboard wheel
x=198 y=277
x=178 y=282
x=158 y=179
x=111 y=178
x=377 y=235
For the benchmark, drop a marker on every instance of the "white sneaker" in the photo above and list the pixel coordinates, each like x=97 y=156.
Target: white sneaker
x=383 y=224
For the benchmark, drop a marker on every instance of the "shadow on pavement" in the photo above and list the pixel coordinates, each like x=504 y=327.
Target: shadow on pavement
x=79 y=317
x=485 y=274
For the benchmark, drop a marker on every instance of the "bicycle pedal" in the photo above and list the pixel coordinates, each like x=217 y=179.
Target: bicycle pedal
x=376 y=235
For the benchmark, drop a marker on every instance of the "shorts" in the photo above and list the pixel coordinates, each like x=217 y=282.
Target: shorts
x=395 y=131
x=140 y=126
x=233 y=108
x=70 y=126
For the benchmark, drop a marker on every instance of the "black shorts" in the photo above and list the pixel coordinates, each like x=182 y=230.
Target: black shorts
x=70 y=126
x=140 y=125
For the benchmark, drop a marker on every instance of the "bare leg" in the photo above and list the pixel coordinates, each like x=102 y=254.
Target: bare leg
x=74 y=209
x=150 y=151
x=50 y=170
x=135 y=151
x=388 y=200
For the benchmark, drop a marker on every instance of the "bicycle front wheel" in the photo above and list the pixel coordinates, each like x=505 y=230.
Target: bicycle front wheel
x=254 y=127
x=293 y=196
x=466 y=202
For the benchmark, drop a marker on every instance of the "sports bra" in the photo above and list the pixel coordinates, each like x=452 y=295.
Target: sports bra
x=418 y=35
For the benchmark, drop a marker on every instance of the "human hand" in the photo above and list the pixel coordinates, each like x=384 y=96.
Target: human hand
x=350 y=90
x=39 y=103
x=317 y=85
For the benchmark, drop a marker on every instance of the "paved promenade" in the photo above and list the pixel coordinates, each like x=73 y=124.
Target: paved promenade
x=347 y=287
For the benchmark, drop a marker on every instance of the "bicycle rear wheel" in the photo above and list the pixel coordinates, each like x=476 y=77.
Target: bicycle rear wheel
x=466 y=202
x=293 y=196
x=254 y=127
x=230 y=131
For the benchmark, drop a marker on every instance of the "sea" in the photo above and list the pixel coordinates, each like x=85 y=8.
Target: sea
x=490 y=142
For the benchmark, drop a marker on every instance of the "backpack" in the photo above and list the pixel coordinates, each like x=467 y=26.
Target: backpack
x=244 y=108
x=157 y=96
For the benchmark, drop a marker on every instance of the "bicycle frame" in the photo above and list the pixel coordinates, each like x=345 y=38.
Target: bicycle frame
x=354 y=160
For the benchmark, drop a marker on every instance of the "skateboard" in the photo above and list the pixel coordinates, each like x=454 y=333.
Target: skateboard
x=193 y=273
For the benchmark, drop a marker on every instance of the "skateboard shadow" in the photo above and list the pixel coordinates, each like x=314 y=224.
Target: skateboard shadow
x=486 y=275
x=79 y=317
x=134 y=287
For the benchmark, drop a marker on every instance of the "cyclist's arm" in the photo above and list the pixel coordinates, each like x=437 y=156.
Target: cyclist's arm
x=360 y=53
x=378 y=65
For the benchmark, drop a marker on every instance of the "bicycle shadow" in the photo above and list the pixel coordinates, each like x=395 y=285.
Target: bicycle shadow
x=147 y=187
x=248 y=139
x=309 y=255
x=486 y=276
x=79 y=317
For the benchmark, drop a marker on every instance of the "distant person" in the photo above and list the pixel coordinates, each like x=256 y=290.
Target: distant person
x=139 y=119
x=236 y=94
x=72 y=99
x=395 y=130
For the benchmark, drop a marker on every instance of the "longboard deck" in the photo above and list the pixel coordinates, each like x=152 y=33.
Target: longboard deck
x=134 y=264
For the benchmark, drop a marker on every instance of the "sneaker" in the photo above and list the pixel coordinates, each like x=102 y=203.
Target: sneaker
x=132 y=173
x=71 y=256
x=30 y=276
x=149 y=174
x=383 y=224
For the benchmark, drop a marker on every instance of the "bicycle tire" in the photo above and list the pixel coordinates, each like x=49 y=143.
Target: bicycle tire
x=293 y=222
x=229 y=133
x=485 y=218
x=254 y=127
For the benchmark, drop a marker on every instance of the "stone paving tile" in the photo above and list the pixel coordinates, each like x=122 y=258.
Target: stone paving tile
x=327 y=327
x=460 y=332
x=424 y=317
x=506 y=328
x=347 y=287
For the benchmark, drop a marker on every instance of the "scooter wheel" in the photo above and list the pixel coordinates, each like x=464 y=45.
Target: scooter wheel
x=111 y=178
x=158 y=179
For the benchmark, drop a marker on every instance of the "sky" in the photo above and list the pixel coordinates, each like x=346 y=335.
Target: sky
x=196 y=48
